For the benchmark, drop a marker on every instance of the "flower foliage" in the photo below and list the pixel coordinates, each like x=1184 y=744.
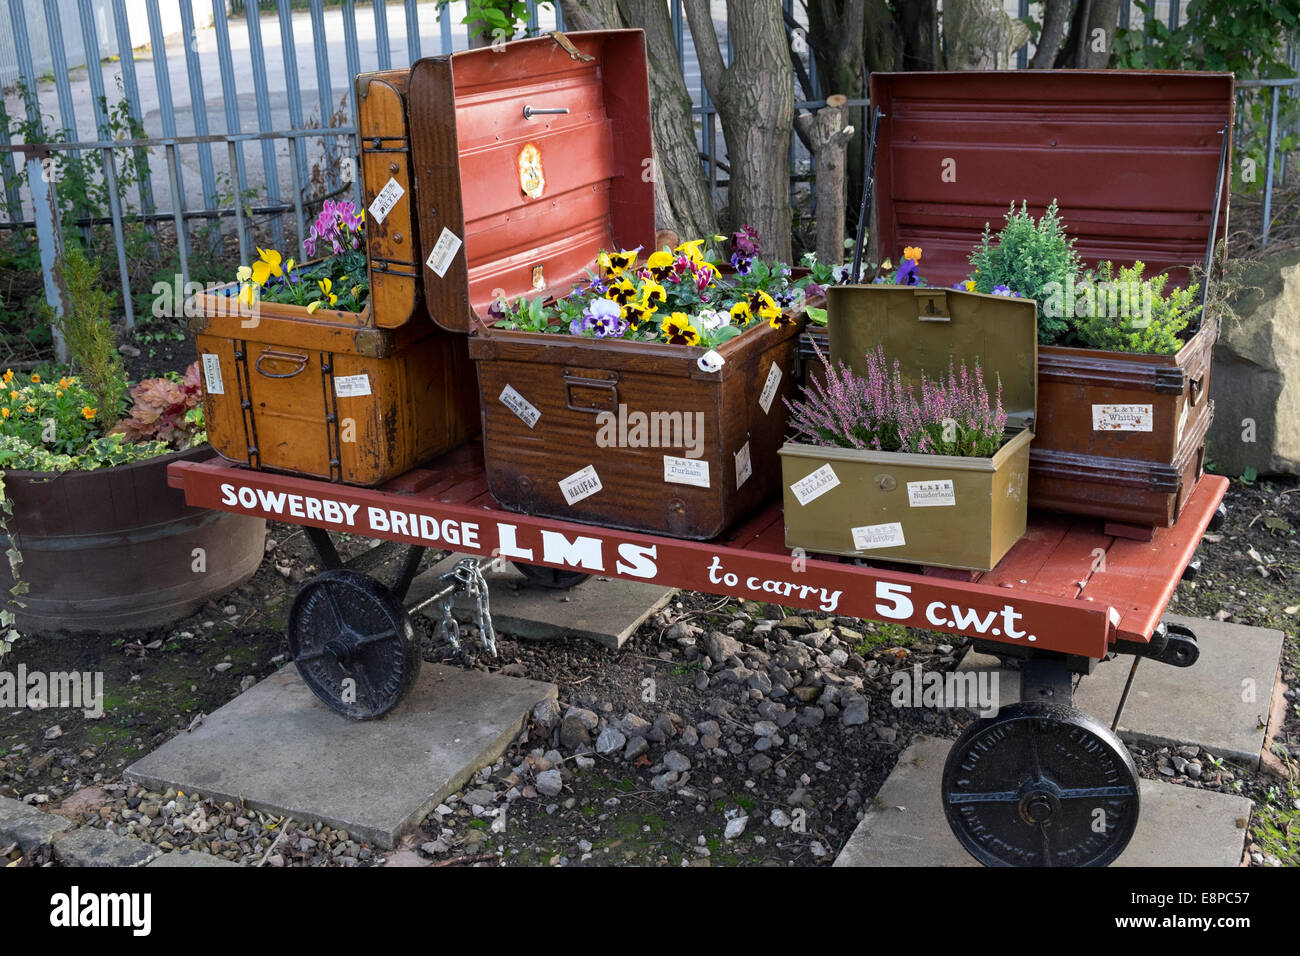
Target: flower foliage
x=677 y=296
x=339 y=281
x=51 y=425
x=882 y=412
x=1027 y=257
x=163 y=410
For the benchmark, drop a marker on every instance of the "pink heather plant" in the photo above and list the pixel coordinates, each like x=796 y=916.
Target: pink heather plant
x=877 y=411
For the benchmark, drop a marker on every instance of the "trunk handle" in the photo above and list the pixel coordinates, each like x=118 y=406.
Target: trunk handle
x=278 y=356
x=610 y=384
x=1196 y=390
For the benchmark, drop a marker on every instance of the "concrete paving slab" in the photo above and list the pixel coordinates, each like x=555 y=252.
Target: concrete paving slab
x=89 y=847
x=27 y=826
x=283 y=751
x=905 y=826
x=605 y=610
x=1220 y=703
x=190 y=859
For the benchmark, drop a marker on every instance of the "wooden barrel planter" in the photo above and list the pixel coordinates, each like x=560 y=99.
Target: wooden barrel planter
x=115 y=549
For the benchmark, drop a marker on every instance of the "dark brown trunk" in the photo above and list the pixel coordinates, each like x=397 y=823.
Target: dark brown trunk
x=918 y=22
x=682 y=200
x=1055 y=16
x=827 y=131
x=755 y=100
x=846 y=36
x=1092 y=35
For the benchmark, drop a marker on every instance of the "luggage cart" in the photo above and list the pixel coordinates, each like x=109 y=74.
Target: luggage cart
x=1039 y=784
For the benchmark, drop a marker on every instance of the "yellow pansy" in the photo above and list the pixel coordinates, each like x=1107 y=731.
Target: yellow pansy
x=329 y=298
x=660 y=265
x=36 y=378
x=913 y=253
x=970 y=285
x=653 y=296
x=692 y=250
x=268 y=265
x=741 y=314
x=677 y=330
x=248 y=295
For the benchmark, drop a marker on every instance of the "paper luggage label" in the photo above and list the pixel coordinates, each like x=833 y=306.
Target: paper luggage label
x=521 y=406
x=212 y=383
x=444 y=250
x=1122 y=418
x=931 y=494
x=686 y=471
x=350 y=386
x=878 y=536
x=744 y=466
x=769 y=388
x=532 y=181
x=386 y=199
x=580 y=484
x=815 y=485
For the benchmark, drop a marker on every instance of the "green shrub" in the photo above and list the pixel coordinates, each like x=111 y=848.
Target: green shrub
x=88 y=330
x=1030 y=257
x=1148 y=323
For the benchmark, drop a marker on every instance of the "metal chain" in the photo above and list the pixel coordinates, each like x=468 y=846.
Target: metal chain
x=467 y=578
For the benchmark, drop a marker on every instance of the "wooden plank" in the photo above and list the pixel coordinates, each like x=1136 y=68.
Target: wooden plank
x=1141 y=576
x=1018 y=567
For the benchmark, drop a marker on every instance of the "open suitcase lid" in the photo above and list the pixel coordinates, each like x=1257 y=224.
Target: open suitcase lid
x=924 y=328
x=1132 y=159
x=515 y=199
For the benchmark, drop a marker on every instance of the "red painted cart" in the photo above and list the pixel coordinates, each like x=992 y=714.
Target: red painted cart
x=1039 y=784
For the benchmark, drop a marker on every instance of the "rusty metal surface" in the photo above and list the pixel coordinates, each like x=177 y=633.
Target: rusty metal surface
x=1131 y=157
x=113 y=549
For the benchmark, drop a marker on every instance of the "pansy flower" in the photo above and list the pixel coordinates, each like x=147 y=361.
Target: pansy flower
x=913 y=253
x=621 y=292
x=602 y=318
x=267 y=265
x=742 y=264
x=623 y=261
x=741 y=314
x=692 y=250
x=709 y=319
x=1005 y=290
x=781 y=320
x=660 y=265
x=762 y=304
x=328 y=296
x=635 y=313
x=677 y=330
x=653 y=296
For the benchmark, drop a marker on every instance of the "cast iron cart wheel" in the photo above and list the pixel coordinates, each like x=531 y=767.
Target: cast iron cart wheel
x=554 y=578
x=353 y=643
x=1041 y=784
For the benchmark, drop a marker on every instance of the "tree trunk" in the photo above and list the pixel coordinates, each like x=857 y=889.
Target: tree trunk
x=682 y=200
x=829 y=135
x=918 y=22
x=1092 y=35
x=840 y=32
x=755 y=100
x=1056 y=15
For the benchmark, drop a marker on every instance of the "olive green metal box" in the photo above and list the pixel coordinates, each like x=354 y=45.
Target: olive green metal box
x=937 y=510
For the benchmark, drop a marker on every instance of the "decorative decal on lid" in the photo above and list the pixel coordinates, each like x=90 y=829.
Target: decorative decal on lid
x=531 y=179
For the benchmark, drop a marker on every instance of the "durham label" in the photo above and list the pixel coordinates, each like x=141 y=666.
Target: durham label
x=686 y=471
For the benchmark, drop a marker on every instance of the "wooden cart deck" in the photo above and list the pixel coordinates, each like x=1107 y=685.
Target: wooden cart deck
x=1066 y=586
